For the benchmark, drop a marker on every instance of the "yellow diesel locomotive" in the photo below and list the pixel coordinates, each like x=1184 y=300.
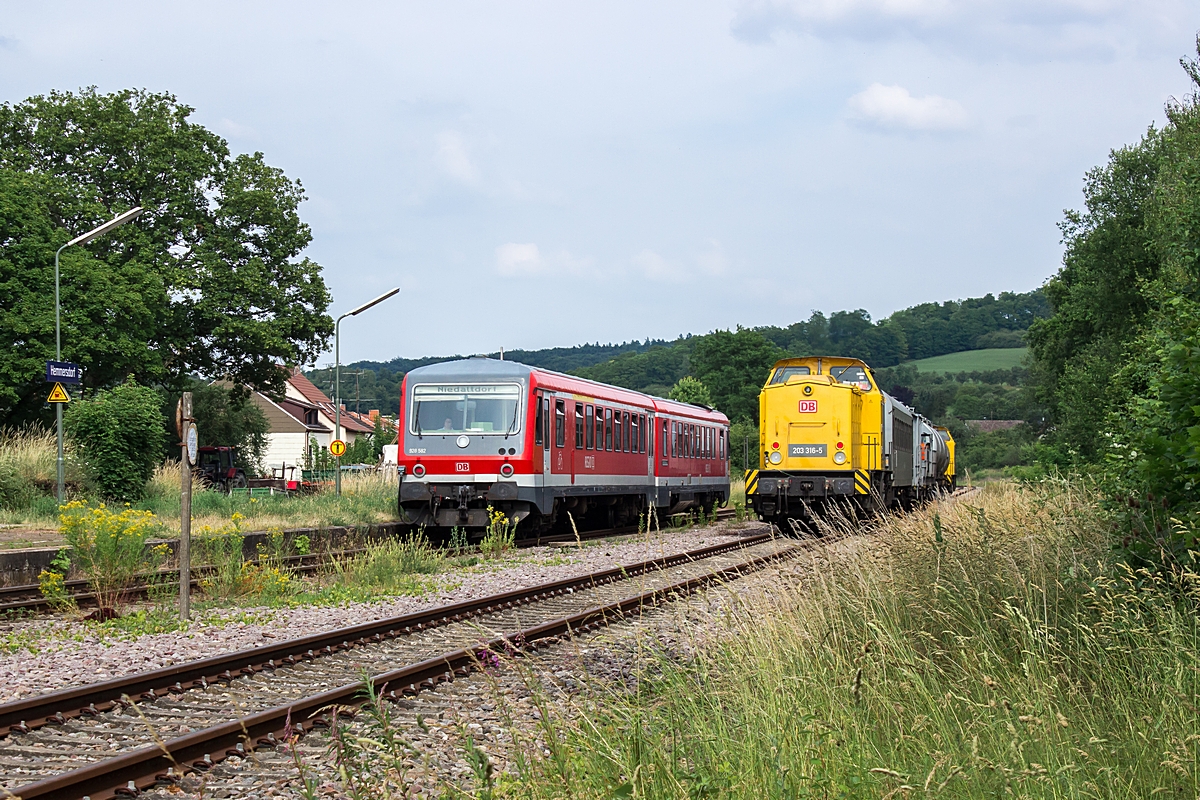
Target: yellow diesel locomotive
x=827 y=432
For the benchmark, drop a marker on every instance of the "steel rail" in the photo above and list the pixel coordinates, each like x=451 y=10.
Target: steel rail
x=138 y=769
x=29 y=597
x=57 y=707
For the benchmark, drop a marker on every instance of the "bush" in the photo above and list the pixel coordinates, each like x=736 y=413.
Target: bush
x=109 y=549
x=120 y=437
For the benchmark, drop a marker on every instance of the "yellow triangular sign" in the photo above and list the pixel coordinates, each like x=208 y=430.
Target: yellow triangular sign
x=59 y=395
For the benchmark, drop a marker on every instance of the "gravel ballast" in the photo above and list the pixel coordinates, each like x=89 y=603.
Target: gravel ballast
x=51 y=652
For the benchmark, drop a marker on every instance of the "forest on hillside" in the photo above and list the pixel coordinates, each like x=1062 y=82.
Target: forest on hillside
x=732 y=363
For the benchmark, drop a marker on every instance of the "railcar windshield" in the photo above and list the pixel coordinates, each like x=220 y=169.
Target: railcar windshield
x=482 y=409
x=783 y=373
x=856 y=376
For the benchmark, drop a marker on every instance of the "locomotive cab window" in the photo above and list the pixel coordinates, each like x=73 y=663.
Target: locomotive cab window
x=783 y=373
x=560 y=423
x=856 y=376
x=588 y=424
x=578 y=426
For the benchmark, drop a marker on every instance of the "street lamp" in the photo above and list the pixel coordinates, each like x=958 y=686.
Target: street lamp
x=337 y=376
x=115 y=222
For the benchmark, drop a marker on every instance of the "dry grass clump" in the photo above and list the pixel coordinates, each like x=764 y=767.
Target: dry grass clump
x=28 y=466
x=981 y=648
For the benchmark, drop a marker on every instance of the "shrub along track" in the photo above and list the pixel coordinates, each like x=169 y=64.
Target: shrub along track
x=29 y=597
x=96 y=741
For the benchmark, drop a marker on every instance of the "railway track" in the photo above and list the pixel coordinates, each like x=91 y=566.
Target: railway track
x=123 y=735
x=29 y=597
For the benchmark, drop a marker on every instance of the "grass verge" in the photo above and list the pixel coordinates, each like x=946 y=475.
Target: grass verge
x=984 y=648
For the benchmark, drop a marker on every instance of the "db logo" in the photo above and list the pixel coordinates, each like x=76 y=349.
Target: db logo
x=462 y=466
x=808 y=406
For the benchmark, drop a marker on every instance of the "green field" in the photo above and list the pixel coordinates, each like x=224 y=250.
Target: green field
x=973 y=360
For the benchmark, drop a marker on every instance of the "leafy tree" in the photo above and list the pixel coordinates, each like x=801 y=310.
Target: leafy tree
x=228 y=418
x=734 y=366
x=1101 y=296
x=691 y=390
x=120 y=437
x=208 y=281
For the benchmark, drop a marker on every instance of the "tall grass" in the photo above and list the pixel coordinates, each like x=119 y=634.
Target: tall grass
x=28 y=468
x=978 y=649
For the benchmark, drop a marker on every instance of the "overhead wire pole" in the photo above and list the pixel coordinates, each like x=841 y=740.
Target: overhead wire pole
x=337 y=378
x=115 y=222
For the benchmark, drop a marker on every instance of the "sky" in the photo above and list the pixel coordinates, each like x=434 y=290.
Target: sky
x=537 y=174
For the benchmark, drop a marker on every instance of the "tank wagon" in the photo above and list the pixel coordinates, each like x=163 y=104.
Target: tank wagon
x=827 y=433
x=536 y=444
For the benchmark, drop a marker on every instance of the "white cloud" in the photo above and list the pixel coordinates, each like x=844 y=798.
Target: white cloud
x=514 y=260
x=713 y=260
x=894 y=107
x=454 y=158
x=977 y=28
x=235 y=130
x=655 y=267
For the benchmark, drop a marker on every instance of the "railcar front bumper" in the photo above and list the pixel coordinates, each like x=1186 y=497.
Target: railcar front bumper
x=462 y=504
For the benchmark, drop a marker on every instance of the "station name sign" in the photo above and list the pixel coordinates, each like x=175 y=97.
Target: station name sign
x=63 y=372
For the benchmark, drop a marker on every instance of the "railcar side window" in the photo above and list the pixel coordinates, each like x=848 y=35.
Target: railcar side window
x=674 y=439
x=578 y=425
x=546 y=422
x=648 y=434
x=617 y=431
x=666 y=445
x=560 y=423
x=538 y=432
x=589 y=424
x=641 y=433
x=608 y=429
x=628 y=432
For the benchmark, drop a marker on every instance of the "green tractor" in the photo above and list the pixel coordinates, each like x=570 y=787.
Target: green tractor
x=218 y=466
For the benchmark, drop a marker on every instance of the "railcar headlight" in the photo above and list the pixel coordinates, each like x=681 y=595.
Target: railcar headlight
x=839 y=457
x=775 y=457
x=506 y=470
x=419 y=471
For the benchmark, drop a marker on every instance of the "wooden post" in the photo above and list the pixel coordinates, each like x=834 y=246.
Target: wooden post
x=185 y=511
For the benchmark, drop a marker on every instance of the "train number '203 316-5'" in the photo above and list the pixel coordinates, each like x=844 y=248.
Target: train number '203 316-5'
x=808 y=406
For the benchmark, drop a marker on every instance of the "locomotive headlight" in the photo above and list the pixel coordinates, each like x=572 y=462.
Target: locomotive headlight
x=775 y=457
x=506 y=470
x=808 y=390
x=839 y=457
x=419 y=471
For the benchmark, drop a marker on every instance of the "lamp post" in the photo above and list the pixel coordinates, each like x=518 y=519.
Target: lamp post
x=115 y=222
x=337 y=377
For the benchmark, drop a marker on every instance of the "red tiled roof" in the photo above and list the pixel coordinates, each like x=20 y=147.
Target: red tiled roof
x=309 y=389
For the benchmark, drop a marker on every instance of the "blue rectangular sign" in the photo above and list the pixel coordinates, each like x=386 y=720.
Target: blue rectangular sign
x=62 y=372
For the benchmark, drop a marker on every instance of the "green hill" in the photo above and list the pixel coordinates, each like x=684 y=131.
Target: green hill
x=972 y=360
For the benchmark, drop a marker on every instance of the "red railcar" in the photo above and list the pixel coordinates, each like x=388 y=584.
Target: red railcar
x=538 y=445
